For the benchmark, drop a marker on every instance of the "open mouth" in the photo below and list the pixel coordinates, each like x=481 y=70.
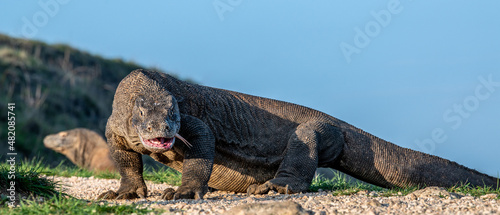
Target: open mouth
x=163 y=142
x=159 y=142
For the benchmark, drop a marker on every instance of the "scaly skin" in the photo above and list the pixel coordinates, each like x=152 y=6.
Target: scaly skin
x=245 y=143
x=83 y=147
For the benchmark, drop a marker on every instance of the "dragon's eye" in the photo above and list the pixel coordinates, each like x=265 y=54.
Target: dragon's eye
x=141 y=112
x=63 y=134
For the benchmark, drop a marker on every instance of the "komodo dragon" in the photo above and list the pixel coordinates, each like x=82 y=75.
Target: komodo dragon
x=83 y=147
x=246 y=143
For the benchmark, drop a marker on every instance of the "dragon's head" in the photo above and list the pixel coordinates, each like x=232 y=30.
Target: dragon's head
x=157 y=119
x=62 y=141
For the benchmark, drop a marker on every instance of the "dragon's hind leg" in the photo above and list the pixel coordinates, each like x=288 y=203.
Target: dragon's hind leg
x=301 y=158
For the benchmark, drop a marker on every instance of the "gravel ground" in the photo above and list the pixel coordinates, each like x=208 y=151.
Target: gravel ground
x=431 y=200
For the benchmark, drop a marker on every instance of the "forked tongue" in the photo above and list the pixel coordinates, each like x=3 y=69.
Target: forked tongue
x=183 y=140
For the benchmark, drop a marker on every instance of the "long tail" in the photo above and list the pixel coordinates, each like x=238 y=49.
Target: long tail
x=382 y=163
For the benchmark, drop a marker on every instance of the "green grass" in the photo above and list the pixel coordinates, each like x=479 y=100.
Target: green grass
x=156 y=175
x=474 y=191
x=69 y=205
x=27 y=179
x=71 y=170
x=29 y=182
x=339 y=185
x=163 y=175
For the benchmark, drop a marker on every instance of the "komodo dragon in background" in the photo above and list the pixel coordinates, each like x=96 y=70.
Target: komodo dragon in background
x=85 y=148
x=246 y=143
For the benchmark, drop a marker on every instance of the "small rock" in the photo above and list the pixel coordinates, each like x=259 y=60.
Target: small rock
x=411 y=196
x=373 y=194
x=432 y=192
x=374 y=203
x=249 y=199
x=363 y=192
x=287 y=207
x=371 y=212
x=489 y=196
x=468 y=198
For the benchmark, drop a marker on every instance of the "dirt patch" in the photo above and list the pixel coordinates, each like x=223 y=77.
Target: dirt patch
x=431 y=201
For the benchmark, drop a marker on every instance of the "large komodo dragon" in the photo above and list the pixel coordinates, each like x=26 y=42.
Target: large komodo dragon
x=85 y=148
x=245 y=143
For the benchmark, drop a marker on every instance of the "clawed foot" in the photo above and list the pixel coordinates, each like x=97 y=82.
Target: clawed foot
x=183 y=193
x=108 y=195
x=268 y=186
x=139 y=193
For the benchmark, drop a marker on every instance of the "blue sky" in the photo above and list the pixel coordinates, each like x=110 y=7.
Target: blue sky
x=407 y=71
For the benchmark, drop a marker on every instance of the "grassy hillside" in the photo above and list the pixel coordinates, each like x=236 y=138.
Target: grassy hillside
x=54 y=88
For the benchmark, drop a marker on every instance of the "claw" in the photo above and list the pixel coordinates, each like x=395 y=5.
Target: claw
x=119 y=196
x=197 y=196
x=142 y=196
x=107 y=195
x=251 y=189
x=168 y=194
